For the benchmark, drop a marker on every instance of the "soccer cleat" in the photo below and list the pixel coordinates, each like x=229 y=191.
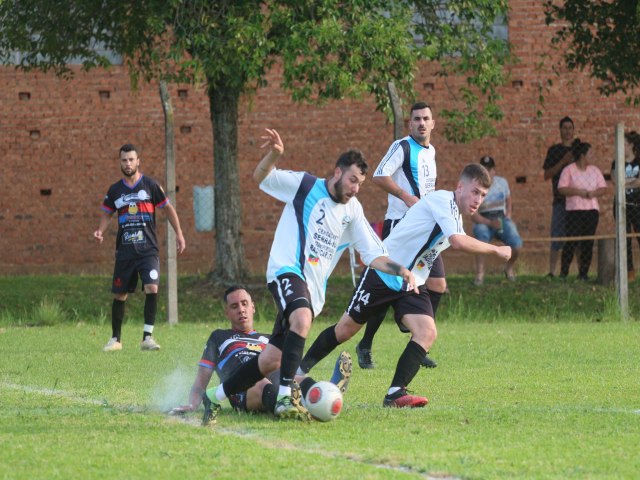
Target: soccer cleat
x=401 y=399
x=211 y=410
x=297 y=401
x=427 y=362
x=365 y=359
x=342 y=372
x=112 y=345
x=149 y=344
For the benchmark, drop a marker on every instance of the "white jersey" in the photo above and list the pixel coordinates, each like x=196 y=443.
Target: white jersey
x=314 y=230
x=421 y=236
x=413 y=167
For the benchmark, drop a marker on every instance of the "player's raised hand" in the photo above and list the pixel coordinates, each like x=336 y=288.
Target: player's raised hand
x=273 y=140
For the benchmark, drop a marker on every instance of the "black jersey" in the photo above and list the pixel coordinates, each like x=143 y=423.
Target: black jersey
x=554 y=155
x=136 y=208
x=226 y=350
x=631 y=170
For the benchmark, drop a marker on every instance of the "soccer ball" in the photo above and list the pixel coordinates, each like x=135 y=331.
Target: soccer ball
x=324 y=401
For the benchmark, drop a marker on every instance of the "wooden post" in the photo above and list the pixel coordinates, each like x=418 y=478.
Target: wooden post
x=606 y=261
x=170 y=172
x=396 y=108
x=622 y=285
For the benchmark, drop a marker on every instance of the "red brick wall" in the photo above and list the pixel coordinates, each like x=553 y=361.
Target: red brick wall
x=64 y=136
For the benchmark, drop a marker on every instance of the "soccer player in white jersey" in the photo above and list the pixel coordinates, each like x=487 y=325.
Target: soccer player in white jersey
x=429 y=227
x=407 y=173
x=320 y=220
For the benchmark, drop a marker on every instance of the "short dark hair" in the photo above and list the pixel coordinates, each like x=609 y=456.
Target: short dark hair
x=352 y=157
x=231 y=289
x=634 y=139
x=580 y=149
x=564 y=120
x=475 y=171
x=419 y=106
x=128 y=147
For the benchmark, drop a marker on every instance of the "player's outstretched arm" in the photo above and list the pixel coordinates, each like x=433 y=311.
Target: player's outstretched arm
x=386 y=265
x=197 y=390
x=276 y=148
x=471 y=245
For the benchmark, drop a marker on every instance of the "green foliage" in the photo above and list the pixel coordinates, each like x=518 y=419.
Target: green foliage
x=329 y=49
x=601 y=36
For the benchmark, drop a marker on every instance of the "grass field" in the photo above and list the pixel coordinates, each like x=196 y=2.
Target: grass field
x=517 y=394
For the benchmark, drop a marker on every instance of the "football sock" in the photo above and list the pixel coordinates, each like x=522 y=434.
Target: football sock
x=150 y=308
x=269 y=397
x=370 y=329
x=435 y=300
x=245 y=377
x=117 y=316
x=323 y=346
x=408 y=364
x=292 y=349
x=306 y=385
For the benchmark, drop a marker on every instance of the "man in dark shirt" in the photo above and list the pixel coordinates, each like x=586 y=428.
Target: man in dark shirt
x=558 y=157
x=135 y=198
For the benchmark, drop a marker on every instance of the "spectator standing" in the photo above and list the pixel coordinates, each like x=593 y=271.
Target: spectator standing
x=558 y=157
x=632 y=191
x=581 y=183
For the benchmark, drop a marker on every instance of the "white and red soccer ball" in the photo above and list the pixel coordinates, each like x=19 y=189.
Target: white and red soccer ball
x=324 y=401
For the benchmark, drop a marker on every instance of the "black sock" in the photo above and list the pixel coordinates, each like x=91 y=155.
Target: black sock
x=408 y=365
x=370 y=329
x=117 y=317
x=306 y=385
x=292 y=349
x=150 y=308
x=269 y=397
x=435 y=300
x=245 y=377
x=323 y=346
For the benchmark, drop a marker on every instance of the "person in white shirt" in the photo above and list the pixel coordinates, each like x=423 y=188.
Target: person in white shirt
x=407 y=173
x=433 y=224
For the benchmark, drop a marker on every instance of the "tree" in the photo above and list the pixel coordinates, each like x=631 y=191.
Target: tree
x=601 y=36
x=328 y=49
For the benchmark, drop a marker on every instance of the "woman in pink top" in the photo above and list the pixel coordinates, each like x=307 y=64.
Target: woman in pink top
x=581 y=183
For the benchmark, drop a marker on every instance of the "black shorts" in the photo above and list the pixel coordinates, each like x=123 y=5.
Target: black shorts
x=437 y=271
x=125 y=273
x=372 y=296
x=290 y=292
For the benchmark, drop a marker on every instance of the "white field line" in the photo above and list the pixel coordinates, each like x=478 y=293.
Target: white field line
x=264 y=442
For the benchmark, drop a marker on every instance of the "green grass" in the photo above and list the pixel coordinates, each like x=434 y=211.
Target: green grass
x=523 y=390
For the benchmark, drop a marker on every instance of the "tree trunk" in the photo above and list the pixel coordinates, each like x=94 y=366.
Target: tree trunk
x=230 y=262
x=170 y=185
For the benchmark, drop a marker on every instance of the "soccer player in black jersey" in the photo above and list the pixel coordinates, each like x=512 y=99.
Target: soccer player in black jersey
x=135 y=198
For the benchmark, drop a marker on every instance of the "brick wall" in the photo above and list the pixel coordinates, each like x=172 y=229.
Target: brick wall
x=59 y=145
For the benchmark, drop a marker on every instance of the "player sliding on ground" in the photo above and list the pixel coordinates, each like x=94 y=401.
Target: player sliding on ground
x=433 y=224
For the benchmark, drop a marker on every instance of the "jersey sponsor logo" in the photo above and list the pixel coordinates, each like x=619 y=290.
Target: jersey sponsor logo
x=133 y=237
x=133 y=208
x=140 y=195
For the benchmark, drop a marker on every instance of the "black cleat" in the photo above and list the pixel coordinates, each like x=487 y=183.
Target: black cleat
x=365 y=358
x=427 y=362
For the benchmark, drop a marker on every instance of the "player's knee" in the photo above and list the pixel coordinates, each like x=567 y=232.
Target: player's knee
x=437 y=284
x=346 y=328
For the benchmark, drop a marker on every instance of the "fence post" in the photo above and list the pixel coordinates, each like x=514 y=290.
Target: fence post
x=606 y=261
x=622 y=285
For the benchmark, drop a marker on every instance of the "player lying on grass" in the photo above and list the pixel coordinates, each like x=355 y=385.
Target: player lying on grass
x=227 y=349
x=433 y=224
